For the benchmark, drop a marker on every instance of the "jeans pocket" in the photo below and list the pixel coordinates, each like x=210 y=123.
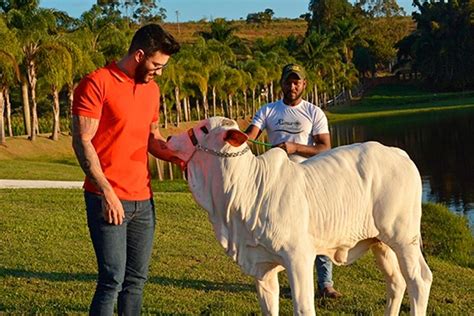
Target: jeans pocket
x=94 y=207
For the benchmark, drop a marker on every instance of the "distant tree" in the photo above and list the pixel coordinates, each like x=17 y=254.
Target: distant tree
x=260 y=17
x=7 y=5
x=442 y=47
x=381 y=8
x=325 y=13
x=221 y=30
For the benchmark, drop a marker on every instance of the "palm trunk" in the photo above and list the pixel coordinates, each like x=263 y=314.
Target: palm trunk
x=237 y=108
x=26 y=106
x=246 y=109
x=253 y=101
x=186 y=109
x=70 y=94
x=223 y=112
x=205 y=105
x=214 y=101
x=165 y=111
x=316 y=100
x=158 y=169
x=2 y=124
x=55 y=132
x=178 y=106
x=231 y=116
x=271 y=91
x=9 y=111
x=34 y=114
x=198 y=110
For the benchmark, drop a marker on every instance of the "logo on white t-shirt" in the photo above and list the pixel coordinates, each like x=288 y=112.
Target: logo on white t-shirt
x=292 y=127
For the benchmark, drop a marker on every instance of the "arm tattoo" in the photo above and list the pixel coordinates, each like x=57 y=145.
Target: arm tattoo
x=84 y=129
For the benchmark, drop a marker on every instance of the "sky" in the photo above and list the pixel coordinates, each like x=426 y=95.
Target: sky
x=195 y=10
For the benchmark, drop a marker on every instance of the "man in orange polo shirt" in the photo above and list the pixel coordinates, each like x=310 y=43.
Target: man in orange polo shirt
x=115 y=125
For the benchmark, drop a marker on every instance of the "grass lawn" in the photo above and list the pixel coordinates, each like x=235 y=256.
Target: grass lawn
x=391 y=100
x=47 y=264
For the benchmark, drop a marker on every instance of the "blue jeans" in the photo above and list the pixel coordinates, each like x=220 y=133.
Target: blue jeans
x=324 y=271
x=123 y=254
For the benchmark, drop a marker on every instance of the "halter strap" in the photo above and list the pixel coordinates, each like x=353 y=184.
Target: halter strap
x=192 y=137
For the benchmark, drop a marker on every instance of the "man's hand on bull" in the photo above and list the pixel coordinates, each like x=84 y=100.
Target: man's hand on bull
x=179 y=162
x=289 y=147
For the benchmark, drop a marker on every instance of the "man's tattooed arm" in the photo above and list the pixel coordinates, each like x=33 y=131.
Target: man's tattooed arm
x=84 y=129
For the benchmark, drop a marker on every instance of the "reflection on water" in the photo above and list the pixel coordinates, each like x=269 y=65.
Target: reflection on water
x=440 y=143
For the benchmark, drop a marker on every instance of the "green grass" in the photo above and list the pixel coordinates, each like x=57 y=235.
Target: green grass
x=47 y=265
x=399 y=99
x=43 y=159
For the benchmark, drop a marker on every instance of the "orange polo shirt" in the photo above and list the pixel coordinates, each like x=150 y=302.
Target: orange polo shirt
x=125 y=111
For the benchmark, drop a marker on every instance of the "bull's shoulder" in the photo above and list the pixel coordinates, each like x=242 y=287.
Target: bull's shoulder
x=274 y=157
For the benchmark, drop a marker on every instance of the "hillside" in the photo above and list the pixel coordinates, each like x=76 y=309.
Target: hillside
x=187 y=32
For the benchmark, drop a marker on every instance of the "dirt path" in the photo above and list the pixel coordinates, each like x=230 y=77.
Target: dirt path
x=39 y=184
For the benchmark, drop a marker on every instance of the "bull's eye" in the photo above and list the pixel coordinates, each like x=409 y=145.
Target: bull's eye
x=204 y=130
x=227 y=122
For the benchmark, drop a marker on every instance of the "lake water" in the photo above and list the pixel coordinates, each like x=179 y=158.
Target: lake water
x=440 y=143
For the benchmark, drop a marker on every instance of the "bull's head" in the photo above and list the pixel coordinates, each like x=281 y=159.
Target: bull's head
x=217 y=135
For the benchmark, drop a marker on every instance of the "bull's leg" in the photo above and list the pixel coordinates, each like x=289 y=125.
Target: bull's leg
x=268 y=291
x=417 y=276
x=395 y=284
x=300 y=274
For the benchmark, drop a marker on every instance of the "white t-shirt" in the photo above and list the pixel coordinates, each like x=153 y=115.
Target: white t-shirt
x=295 y=124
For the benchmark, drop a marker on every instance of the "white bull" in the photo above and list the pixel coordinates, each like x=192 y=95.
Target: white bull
x=272 y=214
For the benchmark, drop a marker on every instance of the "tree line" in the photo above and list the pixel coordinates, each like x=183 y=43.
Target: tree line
x=44 y=53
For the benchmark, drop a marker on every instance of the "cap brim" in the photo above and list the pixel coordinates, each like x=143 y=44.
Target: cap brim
x=285 y=76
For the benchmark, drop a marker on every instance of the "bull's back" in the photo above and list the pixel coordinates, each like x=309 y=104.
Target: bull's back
x=361 y=191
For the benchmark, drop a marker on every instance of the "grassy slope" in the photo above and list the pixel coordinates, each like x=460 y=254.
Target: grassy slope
x=47 y=265
x=390 y=100
x=188 y=32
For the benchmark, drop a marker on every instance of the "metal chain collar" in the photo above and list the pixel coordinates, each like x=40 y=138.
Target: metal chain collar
x=222 y=154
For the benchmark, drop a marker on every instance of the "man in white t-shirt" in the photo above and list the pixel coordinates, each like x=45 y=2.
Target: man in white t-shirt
x=301 y=129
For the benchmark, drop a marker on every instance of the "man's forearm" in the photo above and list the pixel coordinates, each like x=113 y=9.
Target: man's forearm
x=158 y=148
x=309 y=151
x=90 y=164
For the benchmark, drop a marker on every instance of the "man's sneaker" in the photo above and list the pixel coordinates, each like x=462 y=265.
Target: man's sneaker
x=329 y=292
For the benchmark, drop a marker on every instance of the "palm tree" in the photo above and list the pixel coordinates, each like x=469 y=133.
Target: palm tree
x=258 y=74
x=82 y=61
x=33 y=27
x=233 y=80
x=318 y=56
x=56 y=66
x=11 y=50
x=9 y=70
x=216 y=81
x=175 y=74
x=166 y=89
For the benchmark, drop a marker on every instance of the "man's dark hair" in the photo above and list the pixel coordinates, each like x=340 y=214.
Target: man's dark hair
x=152 y=38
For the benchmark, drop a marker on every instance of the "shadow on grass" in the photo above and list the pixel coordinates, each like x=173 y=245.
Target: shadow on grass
x=201 y=285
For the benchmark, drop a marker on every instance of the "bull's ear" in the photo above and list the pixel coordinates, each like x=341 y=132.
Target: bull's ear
x=235 y=137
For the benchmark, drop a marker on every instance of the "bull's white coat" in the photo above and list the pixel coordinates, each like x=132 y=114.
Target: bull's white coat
x=270 y=213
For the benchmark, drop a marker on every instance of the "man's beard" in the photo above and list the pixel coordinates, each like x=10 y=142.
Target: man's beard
x=141 y=73
x=289 y=98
